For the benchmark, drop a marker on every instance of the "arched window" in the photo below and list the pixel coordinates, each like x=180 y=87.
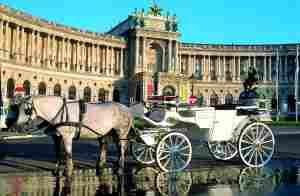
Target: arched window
x=214 y=99
x=10 y=90
x=169 y=91
x=101 y=95
x=72 y=92
x=57 y=90
x=228 y=99
x=27 y=86
x=87 y=94
x=116 y=95
x=42 y=88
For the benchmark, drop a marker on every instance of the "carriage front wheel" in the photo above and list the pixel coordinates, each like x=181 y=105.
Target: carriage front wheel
x=174 y=152
x=256 y=144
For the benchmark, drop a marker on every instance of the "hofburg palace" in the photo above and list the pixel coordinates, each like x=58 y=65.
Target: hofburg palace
x=139 y=57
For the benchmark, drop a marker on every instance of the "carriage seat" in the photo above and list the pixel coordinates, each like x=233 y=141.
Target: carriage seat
x=157 y=115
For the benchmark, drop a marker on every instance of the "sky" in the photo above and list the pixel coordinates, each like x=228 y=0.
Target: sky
x=200 y=21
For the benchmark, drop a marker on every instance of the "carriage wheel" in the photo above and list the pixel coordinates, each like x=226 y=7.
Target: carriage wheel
x=256 y=144
x=174 y=152
x=143 y=153
x=174 y=183
x=223 y=150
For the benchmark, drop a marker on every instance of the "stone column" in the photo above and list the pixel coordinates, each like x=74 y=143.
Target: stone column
x=265 y=69
x=203 y=67
x=23 y=45
x=77 y=56
x=137 y=66
x=209 y=69
x=63 y=48
x=121 y=63
x=223 y=70
x=270 y=68
x=6 y=41
x=194 y=65
x=249 y=62
x=176 y=56
x=33 y=47
x=219 y=68
x=106 y=61
x=285 y=68
x=53 y=51
x=92 y=57
x=144 y=65
x=169 y=66
x=112 y=62
x=17 y=43
x=48 y=49
x=38 y=48
x=179 y=66
x=239 y=69
x=234 y=70
x=68 y=54
x=254 y=61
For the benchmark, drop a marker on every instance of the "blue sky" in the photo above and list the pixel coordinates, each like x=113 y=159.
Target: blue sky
x=200 y=21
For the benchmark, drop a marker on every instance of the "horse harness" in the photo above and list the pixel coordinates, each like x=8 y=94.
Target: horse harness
x=63 y=113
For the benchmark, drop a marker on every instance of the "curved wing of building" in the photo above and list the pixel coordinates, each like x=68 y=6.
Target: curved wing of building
x=139 y=57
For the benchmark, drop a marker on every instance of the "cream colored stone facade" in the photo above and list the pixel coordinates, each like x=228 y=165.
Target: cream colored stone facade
x=49 y=58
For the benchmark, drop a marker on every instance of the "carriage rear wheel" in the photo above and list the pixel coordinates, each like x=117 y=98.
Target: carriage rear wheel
x=223 y=150
x=256 y=144
x=174 y=152
x=143 y=153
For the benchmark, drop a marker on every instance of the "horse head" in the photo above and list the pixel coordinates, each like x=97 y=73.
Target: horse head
x=25 y=110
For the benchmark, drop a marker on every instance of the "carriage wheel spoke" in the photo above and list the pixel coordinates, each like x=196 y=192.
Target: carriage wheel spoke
x=264 y=153
x=256 y=160
x=245 y=148
x=266 y=136
x=247 y=142
x=267 y=147
x=140 y=155
x=269 y=141
x=251 y=157
x=183 y=148
x=166 y=163
x=164 y=157
x=248 y=153
x=261 y=157
x=150 y=153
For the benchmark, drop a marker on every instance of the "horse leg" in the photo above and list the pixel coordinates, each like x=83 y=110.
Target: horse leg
x=58 y=152
x=102 y=158
x=123 y=147
x=67 y=140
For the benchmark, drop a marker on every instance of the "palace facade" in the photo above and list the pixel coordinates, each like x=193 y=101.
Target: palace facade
x=141 y=56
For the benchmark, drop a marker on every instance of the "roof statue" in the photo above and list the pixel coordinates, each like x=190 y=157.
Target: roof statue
x=155 y=10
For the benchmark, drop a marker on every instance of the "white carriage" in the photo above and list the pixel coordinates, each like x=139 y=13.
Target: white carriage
x=166 y=134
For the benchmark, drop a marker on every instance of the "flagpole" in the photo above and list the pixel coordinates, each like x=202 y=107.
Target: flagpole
x=296 y=82
x=277 y=80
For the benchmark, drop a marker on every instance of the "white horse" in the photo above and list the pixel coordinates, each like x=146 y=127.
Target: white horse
x=69 y=119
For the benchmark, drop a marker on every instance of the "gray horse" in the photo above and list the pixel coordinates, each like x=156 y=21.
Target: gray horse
x=70 y=119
